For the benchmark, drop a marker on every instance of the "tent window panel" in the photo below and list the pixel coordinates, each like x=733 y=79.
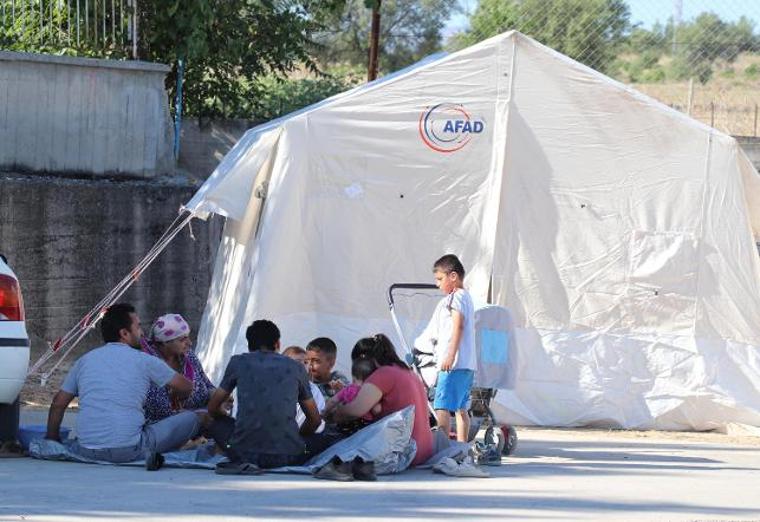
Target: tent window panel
x=662 y=282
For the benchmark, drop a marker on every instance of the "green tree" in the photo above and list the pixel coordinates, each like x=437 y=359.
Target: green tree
x=707 y=39
x=409 y=31
x=590 y=31
x=227 y=44
x=275 y=96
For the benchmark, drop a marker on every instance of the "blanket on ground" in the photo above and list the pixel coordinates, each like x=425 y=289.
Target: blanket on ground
x=387 y=442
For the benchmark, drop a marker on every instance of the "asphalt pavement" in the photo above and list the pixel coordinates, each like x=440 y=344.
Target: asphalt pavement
x=555 y=475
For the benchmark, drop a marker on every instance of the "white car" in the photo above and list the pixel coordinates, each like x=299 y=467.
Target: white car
x=14 y=341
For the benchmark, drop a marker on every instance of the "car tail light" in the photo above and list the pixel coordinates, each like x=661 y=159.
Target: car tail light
x=11 y=302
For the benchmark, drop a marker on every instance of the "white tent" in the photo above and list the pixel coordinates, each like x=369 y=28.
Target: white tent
x=617 y=230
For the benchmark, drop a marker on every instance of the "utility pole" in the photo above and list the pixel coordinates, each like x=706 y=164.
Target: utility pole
x=677 y=15
x=374 y=38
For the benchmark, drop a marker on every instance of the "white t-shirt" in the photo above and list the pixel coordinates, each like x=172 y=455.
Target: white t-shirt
x=320 y=400
x=441 y=327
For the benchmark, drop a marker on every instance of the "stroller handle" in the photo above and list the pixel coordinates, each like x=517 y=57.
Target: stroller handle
x=407 y=286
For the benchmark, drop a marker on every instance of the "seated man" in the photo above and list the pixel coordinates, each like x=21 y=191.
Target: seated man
x=265 y=434
x=112 y=382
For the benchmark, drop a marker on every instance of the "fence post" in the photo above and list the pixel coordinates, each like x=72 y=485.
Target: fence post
x=754 y=127
x=178 y=107
x=691 y=96
x=712 y=114
x=134 y=30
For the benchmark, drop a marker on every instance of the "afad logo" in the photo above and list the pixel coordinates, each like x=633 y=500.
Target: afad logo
x=448 y=127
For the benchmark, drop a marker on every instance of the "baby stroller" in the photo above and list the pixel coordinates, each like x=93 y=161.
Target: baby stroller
x=492 y=343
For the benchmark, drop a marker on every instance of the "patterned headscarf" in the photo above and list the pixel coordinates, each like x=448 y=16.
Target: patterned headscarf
x=169 y=327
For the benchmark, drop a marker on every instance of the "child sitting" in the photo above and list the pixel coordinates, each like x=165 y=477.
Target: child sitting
x=320 y=360
x=361 y=369
x=299 y=354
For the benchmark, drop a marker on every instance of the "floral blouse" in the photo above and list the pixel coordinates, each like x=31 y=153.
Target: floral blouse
x=158 y=404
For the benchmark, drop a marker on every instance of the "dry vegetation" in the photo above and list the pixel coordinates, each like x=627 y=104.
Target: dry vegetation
x=729 y=100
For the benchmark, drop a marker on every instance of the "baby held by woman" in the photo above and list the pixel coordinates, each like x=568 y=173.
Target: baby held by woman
x=361 y=369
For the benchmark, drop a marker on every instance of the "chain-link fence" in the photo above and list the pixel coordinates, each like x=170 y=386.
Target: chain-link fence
x=104 y=28
x=699 y=56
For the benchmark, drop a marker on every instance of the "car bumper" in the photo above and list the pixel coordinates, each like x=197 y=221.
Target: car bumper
x=14 y=362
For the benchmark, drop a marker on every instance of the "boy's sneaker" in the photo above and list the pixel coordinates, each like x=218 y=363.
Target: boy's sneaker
x=363 y=470
x=336 y=469
x=153 y=461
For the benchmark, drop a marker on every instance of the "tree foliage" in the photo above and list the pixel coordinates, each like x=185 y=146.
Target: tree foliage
x=409 y=31
x=276 y=96
x=590 y=31
x=691 y=49
x=227 y=44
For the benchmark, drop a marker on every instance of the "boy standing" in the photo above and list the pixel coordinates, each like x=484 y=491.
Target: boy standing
x=453 y=321
x=320 y=360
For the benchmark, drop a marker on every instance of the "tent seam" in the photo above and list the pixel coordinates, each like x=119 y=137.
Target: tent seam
x=700 y=235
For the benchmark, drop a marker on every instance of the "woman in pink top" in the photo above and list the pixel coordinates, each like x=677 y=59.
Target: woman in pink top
x=393 y=386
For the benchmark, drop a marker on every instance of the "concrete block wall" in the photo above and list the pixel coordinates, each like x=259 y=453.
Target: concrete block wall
x=205 y=142
x=751 y=146
x=81 y=115
x=70 y=241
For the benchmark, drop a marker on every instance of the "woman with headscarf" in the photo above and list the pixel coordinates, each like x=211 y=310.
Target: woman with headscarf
x=169 y=340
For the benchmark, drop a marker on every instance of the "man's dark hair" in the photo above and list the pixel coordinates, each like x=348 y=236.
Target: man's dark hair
x=116 y=317
x=324 y=345
x=262 y=334
x=449 y=263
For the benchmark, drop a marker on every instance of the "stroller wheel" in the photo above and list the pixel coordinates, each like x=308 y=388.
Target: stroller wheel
x=494 y=437
x=509 y=436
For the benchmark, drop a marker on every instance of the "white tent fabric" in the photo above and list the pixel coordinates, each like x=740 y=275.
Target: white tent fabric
x=618 y=231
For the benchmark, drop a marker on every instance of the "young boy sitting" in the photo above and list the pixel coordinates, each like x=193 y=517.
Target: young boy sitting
x=298 y=354
x=453 y=327
x=320 y=361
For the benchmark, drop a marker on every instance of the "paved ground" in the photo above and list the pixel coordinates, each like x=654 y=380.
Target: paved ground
x=556 y=475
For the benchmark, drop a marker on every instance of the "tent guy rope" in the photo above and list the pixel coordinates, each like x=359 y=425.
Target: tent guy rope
x=66 y=343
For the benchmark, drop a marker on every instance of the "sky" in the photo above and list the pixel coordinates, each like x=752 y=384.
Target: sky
x=647 y=12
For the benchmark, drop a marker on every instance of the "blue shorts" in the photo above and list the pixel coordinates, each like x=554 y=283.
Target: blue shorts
x=452 y=390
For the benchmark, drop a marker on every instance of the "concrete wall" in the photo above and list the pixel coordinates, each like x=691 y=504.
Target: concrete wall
x=70 y=241
x=63 y=114
x=204 y=143
x=751 y=146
